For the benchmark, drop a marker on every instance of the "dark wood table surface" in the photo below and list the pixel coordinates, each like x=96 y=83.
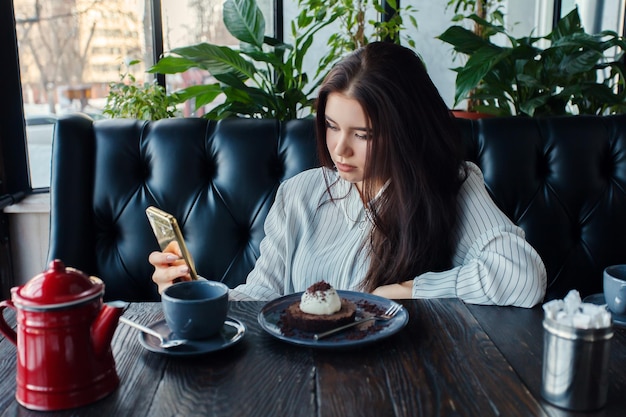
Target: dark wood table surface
x=452 y=359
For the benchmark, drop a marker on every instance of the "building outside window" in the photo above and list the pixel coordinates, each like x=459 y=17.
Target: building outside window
x=71 y=50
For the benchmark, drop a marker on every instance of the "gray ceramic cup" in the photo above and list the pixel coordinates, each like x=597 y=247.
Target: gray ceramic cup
x=195 y=310
x=615 y=288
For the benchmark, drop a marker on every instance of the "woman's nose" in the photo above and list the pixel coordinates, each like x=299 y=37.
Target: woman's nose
x=343 y=148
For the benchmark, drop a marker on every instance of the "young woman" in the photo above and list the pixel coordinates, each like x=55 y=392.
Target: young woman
x=394 y=210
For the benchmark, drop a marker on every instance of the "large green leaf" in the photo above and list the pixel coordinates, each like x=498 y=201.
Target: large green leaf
x=239 y=95
x=477 y=66
x=463 y=40
x=217 y=59
x=220 y=111
x=172 y=65
x=529 y=106
x=202 y=94
x=231 y=80
x=197 y=90
x=261 y=56
x=581 y=40
x=580 y=61
x=244 y=20
x=567 y=25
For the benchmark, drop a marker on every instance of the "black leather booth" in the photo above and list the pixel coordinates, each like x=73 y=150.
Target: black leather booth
x=563 y=180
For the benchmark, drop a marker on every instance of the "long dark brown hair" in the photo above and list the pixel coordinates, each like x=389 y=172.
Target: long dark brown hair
x=416 y=146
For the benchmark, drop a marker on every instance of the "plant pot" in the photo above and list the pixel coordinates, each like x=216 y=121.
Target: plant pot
x=472 y=115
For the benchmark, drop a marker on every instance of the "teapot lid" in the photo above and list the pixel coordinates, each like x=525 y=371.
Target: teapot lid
x=57 y=287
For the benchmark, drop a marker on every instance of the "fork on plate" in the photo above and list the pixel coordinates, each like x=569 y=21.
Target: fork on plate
x=387 y=315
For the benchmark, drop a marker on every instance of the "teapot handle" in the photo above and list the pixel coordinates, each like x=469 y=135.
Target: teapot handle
x=5 y=329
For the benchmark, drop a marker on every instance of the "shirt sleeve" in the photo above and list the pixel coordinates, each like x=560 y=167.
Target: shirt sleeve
x=266 y=280
x=493 y=264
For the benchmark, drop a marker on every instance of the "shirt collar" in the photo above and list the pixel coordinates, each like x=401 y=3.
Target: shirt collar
x=349 y=199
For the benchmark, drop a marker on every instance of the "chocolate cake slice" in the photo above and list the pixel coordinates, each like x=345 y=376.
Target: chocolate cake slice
x=315 y=323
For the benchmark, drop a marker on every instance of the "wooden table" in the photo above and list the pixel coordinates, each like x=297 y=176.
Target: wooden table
x=452 y=359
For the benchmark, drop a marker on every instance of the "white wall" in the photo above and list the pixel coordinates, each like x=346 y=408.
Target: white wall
x=29 y=223
x=433 y=19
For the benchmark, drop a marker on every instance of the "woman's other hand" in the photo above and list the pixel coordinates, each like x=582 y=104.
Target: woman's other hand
x=402 y=290
x=169 y=266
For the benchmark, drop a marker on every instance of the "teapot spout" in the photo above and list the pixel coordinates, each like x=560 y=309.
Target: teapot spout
x=103 y=328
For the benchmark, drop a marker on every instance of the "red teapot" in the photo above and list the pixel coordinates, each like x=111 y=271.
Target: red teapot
x=63 y=339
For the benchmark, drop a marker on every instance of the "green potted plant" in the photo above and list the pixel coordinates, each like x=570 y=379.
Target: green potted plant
x=356 y=26
x=262 y=78
x=130 y=99
x=265 y=77
x=578 y=73
x=489 y=10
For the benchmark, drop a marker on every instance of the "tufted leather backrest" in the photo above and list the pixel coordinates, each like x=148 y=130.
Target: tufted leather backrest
x=218 y=179
x=561 y=179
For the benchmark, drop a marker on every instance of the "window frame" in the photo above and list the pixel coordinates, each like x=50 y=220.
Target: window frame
x=14 y=173
x=15 y=180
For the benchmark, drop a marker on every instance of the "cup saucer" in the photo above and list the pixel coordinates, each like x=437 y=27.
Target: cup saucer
x=231 y=333
x=618 y=319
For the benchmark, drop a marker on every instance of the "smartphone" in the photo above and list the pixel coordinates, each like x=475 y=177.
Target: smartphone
x=166 y=230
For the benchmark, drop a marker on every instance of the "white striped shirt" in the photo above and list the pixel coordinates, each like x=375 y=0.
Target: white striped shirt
x=309 y=238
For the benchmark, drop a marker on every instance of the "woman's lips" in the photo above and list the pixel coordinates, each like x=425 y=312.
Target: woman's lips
x=344 y=168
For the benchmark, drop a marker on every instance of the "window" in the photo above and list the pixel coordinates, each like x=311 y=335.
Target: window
x=70 y=50
x=195 y=22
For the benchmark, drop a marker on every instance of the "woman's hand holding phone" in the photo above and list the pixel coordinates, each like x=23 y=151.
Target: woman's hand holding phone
x=169 y=266
x=175 y=262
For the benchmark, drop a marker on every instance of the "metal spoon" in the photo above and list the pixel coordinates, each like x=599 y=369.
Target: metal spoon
x=165 y=343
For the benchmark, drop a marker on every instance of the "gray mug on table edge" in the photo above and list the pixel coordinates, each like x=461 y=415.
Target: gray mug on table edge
x=614 y=288
x=195 y=310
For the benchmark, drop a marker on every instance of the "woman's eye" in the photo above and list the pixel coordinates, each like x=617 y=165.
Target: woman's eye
x=363 y=136
x=331 y=127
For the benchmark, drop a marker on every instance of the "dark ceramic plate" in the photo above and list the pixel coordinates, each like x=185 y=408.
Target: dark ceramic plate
x=618 y=319
x=232 y=332
x=270 y=320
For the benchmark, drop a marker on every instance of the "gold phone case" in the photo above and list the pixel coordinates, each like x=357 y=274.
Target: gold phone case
x=166 y=230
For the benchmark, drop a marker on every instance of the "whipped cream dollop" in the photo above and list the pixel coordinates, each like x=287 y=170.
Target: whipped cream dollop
x=320 y=298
